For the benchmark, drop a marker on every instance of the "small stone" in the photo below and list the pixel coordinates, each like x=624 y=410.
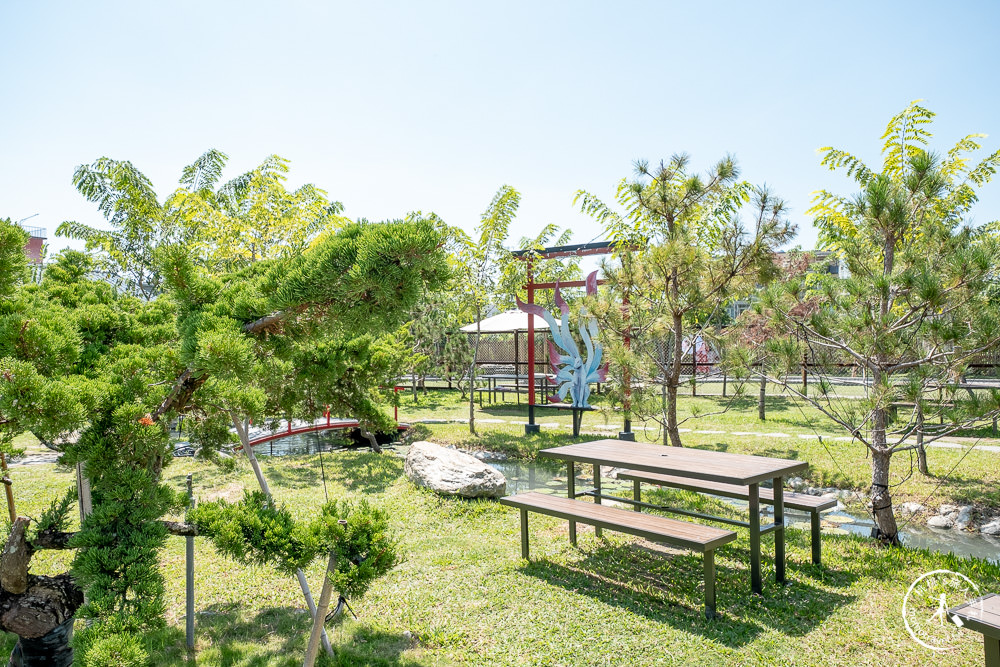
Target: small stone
x=947 y=509
x=911 y=508
x=992 y=528
x=832 y=495
x=964 y=517
x=940 y=522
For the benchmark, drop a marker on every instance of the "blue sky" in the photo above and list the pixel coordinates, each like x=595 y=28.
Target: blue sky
x=393 y=107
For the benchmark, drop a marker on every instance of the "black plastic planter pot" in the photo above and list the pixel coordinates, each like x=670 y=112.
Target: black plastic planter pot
x=50 y=650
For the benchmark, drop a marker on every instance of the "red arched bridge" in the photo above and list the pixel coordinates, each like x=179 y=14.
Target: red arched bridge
x=258 y=435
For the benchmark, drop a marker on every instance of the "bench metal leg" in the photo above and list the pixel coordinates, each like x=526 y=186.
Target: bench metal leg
x=710 y=585
x=571 y=485
x=755 y=580
x=597 y=498
x=992 y=646
x=779 y=531
x=524 y=533
x=636 y=494
x=816 y=544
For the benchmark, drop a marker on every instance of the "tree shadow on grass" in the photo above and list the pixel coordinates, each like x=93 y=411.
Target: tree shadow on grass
x=667 y=586
x=299 y=475
x=362 y=471
x=235 y=639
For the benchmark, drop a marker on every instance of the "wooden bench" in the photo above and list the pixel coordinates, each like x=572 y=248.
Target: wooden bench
x=703 y=539
x=983 y=615
x=797 y=501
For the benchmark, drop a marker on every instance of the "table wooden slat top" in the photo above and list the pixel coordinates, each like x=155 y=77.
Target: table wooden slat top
x=982 y=615
x=694 y=463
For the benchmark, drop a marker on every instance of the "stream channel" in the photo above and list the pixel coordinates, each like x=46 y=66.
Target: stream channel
x=549 y=477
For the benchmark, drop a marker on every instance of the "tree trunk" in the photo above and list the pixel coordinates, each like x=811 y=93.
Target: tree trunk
x=885 y=528
x=663 y=410
x=921 y=452
x=761 y=398
x=673 y=379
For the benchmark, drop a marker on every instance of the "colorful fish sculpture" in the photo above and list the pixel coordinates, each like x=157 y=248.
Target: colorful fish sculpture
x=573 y=374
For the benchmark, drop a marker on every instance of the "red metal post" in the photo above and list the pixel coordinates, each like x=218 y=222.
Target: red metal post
x=531 y=427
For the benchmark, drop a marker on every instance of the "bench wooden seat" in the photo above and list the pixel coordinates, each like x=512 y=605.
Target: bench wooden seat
x=983 y=615
x=797 y=501
x=691 y=536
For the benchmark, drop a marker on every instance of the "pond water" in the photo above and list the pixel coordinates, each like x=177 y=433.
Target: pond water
x=548 y=477
x=305 y=443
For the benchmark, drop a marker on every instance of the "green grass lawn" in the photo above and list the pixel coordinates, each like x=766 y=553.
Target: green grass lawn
x=464 y=596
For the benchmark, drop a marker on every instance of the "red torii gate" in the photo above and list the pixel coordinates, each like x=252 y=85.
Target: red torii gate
x=555 y=252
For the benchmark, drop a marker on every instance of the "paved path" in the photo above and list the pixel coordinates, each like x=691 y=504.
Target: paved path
x=604 y=429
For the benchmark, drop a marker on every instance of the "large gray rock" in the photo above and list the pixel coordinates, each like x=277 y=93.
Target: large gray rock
x=452 y=473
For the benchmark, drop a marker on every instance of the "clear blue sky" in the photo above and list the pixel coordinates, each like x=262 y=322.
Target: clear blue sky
x=393 y=107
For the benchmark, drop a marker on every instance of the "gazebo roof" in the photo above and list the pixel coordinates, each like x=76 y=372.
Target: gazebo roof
x=508 y=322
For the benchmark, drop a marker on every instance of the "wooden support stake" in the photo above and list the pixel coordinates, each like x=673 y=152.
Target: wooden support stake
x=10 y=492
x=83 y=493
x=241 y=430
x=324 y=604
x=189 y=588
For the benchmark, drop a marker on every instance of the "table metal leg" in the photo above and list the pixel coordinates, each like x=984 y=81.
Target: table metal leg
x=524 y=533
x=816 y=543
x=992 y=646
x=597 y=498
x=779 y=531
x=709 y=585
x=755 y=580
x=571 y=490
x=636 y=494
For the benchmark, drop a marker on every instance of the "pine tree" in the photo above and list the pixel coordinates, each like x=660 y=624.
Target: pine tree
x=684 y=252
x=915 y=307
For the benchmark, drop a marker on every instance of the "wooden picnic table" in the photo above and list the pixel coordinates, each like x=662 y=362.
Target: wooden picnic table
x=983 y=615
x=700 y=464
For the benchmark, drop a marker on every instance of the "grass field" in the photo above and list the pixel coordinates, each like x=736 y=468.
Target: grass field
x=464 y=596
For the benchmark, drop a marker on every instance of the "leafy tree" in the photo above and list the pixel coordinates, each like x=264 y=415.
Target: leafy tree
x=684 y=252
x=478 y=270
x=915 y=306
x=252 y=216
x=248 y=218
x=126 y=198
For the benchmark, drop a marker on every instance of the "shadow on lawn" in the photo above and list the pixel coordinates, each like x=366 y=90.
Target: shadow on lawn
x=666 y=586
x=236 y=638
x=362 y=471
